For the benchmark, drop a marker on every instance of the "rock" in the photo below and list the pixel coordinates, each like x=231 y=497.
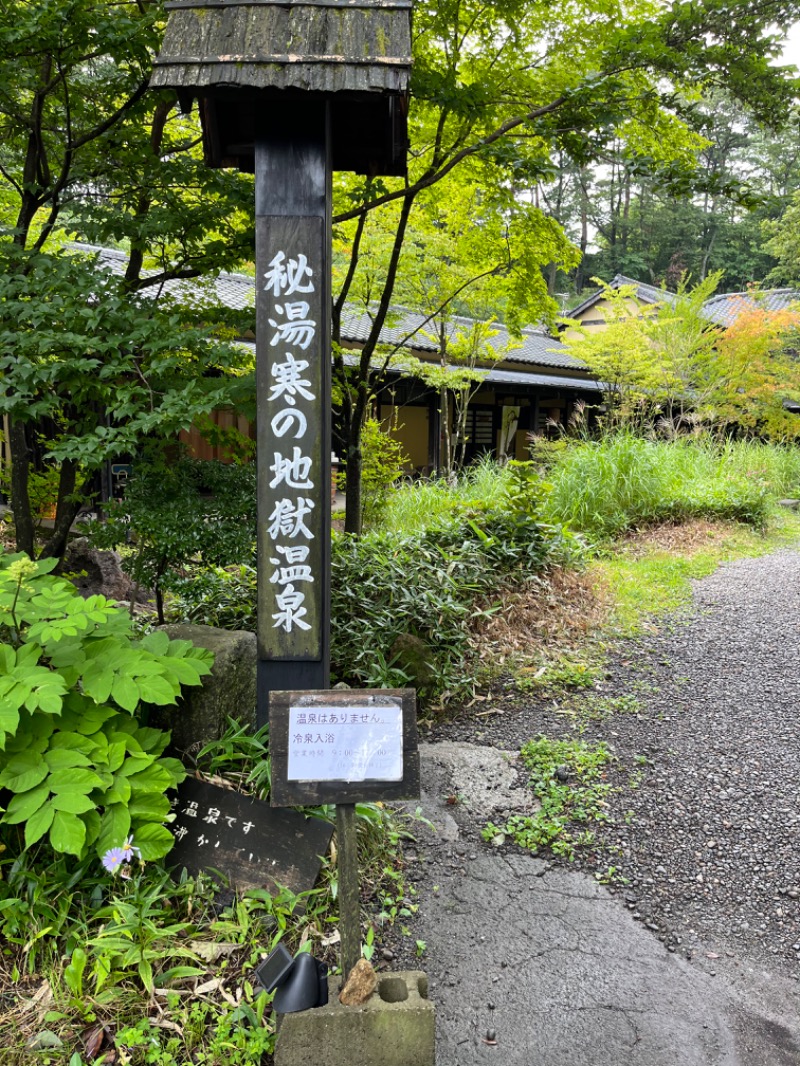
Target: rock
x=98 y=573
x=230 y=689
x=413 y=656
x=360 y=985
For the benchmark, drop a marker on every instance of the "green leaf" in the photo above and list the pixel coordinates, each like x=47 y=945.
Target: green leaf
x=98 y=681
x=74 y=780
x=63 y=759
x=9 y=722
x=24 y=804
x=38 y=824
x=153 y=841
x=115 y=827
x=67 y=833
x=149 y=807
x=154 y=779
x=125 y=692
x=158 y=690
x=23 y=772
x=119 y=792
x=73 y=741
x=72 y=802
x=157 y=642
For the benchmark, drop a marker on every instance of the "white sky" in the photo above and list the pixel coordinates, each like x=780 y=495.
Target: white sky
x=791 y=52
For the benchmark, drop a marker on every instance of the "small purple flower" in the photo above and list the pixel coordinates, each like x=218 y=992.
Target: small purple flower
x=129 y=850
x=113 y=859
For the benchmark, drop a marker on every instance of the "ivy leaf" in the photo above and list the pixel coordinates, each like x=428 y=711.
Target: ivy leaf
x=67 y=833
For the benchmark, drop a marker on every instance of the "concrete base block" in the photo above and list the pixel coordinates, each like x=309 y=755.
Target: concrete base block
x=395 y=1027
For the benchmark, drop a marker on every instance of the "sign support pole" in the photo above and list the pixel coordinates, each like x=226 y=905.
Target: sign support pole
x=293 y=175
x=349 y=895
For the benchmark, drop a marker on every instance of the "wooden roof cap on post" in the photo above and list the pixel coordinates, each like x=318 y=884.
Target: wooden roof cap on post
x=239 y=55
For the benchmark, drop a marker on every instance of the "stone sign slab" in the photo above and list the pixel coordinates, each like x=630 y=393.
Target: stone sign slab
x=252 y=844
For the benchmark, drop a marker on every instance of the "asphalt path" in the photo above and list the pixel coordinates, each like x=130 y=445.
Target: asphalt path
x=693 y=963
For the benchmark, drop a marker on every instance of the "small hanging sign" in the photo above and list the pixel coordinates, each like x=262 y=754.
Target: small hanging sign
x=343 y=746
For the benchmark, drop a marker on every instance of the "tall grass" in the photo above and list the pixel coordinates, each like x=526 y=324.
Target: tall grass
x=603 y=488
x=421 y=504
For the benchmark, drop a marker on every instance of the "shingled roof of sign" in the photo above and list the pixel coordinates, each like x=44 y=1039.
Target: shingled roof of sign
x=361 y=47
x=406 y=328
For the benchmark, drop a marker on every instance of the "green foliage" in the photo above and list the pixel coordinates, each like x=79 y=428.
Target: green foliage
x=427 y=584
x=382 y=464
x=567 y=779
x=602 y=488
x=175 y=513
x=78 y=766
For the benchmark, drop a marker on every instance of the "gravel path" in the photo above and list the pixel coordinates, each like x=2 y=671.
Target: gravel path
x=709 y=839
x=713 y=845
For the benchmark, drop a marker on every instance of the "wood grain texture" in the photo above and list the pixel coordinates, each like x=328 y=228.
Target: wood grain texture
x=316 y=47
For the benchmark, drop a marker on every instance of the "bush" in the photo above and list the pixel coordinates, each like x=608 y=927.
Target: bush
x=190 y=510
x=76 y=765
x=428 y=585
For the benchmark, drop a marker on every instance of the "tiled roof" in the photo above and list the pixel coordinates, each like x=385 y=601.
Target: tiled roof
x=535 y=345
x=721 y=310
x=724 y=309
x=647 y=294
x=237 y=291
x=507 y=377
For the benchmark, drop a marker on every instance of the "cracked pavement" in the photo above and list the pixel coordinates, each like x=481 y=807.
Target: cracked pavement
x=530 y=963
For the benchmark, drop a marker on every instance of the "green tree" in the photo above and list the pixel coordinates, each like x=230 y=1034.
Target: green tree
x=85 y=150
x=622 y=356
x=598 y=75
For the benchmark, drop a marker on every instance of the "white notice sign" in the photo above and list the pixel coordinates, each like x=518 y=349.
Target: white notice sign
x=357 y=743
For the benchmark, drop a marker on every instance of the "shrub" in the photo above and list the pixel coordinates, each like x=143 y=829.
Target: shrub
x=388 y=585
x=189 y=510
x=75 y=762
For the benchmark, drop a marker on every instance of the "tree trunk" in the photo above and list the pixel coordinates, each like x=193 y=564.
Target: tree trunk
x=355 y=465
x=20 y=501
x=67 y=507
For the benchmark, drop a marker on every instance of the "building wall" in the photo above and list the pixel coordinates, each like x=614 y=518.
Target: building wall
x=409 y=426
x=593 y=319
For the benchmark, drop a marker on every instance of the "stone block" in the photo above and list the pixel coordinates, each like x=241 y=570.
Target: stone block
x=395 y=1027
x=230 y=689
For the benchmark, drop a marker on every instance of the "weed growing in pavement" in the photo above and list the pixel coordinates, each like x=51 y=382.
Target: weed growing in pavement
x=565 y=672
x=566 y=776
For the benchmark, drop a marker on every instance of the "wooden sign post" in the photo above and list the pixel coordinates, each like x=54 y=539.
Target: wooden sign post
x=344 y=747
x=293 y=175
x=293 y=89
